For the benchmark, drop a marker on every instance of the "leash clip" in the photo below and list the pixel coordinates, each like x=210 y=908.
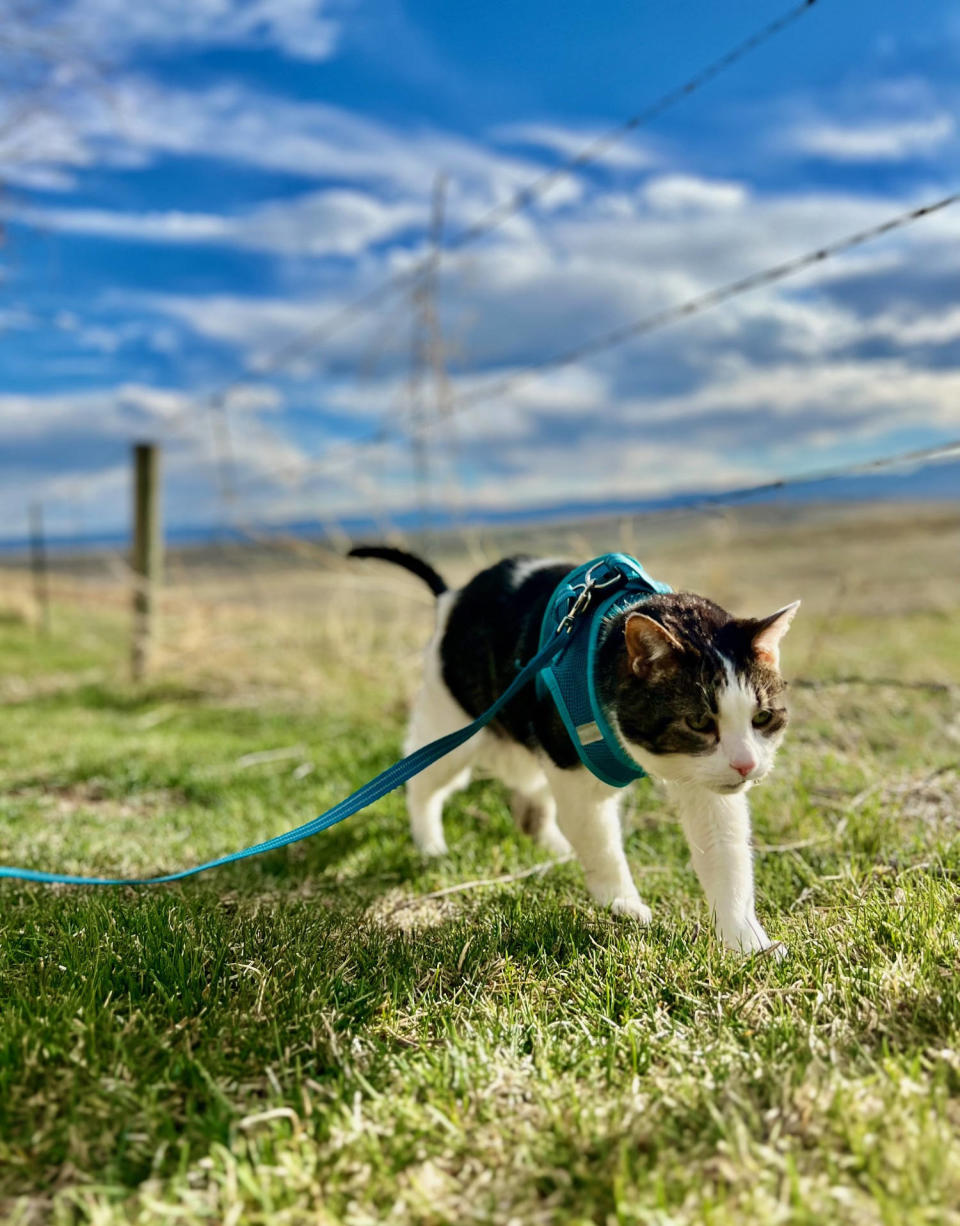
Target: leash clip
x=585 y=591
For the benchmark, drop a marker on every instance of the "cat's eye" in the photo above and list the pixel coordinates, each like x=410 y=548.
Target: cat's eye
x=762 y=718
x=700 y=723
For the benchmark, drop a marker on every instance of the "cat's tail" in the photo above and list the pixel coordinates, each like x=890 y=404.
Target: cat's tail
x=409 y=561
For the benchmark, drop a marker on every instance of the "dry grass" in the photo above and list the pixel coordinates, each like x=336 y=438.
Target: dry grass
x=290 y=617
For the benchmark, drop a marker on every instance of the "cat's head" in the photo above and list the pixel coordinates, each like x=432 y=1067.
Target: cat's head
x=698 y=695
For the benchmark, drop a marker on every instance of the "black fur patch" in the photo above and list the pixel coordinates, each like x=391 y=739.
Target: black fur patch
x=492 y=630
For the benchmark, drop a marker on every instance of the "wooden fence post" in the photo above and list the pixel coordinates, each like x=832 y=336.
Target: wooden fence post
x=147 y=558
x=38 y=564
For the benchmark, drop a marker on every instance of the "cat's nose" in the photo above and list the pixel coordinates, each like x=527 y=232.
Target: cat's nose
x=744 y=766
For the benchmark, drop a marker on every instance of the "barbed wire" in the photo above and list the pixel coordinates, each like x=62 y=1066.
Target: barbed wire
x=525 y=196
x=702 y=302
x=911 y=457
x=216 y=401
x=354 y=448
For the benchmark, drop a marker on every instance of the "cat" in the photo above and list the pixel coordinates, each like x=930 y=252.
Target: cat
x=694 y=695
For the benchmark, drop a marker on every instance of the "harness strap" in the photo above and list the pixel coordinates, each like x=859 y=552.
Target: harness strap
x=364 y=796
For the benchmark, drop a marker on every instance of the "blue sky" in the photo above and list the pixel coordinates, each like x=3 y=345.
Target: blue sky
x=187 y=185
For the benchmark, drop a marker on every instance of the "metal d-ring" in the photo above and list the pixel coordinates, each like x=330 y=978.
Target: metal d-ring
x=594 y=585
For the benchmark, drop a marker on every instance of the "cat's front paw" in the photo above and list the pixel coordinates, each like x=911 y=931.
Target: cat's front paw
x=752 y=939
x=432 y=846
x=633 y=908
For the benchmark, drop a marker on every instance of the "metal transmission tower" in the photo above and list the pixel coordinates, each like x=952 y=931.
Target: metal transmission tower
x=428 y=389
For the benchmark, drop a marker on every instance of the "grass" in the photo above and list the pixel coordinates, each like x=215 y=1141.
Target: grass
x=282 y=1041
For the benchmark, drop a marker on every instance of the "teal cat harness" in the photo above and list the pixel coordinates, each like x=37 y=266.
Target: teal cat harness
x=563 y=666
x=578 y=609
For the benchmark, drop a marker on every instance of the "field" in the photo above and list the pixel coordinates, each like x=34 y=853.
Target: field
x=332 y=1034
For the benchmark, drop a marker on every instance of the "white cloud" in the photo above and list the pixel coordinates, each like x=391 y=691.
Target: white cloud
x=327 y=223
x=257 y=323
x=80 y=432
x=39 y=148
x=875 y=140
x=143 y=119
x=686 y=193
x=570 y=142
x=301 y=29
x=170 y=227
x=909 y=328
x=342 y=223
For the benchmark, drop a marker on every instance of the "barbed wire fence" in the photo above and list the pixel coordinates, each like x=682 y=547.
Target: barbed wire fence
x=350 y=453
x=502 y=386
x=194 y=627
x=413 y=427
x=216 y=403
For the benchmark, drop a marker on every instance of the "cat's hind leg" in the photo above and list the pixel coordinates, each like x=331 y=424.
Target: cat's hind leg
x=531 y=801
x=535 y=813
x=426 y=795
x=434 y=715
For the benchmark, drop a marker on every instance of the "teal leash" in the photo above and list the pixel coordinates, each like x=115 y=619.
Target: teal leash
x=561 y=629
x=377 y=787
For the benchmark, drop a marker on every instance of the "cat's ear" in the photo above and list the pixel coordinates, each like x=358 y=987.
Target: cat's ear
x=648 y=642
x=766 y=633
